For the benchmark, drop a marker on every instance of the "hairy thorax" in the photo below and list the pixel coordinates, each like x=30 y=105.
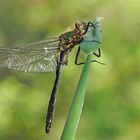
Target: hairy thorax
x=69 y=39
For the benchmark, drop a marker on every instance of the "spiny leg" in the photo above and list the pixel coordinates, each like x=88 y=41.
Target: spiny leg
x=81 y=63
x=99 y=53
x=77 y=56
x=89 y=24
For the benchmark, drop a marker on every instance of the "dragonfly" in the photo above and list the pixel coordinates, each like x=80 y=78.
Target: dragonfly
x=50 y=55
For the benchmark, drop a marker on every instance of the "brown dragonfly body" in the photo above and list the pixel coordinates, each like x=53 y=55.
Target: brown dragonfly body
x=70 y=39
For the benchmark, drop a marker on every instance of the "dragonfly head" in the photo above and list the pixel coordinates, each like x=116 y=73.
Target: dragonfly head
x=81 y=27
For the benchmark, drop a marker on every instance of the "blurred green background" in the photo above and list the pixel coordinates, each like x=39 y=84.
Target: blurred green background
x=112 y=104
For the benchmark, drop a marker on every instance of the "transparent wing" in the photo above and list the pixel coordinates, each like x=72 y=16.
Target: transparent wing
x=36 y=57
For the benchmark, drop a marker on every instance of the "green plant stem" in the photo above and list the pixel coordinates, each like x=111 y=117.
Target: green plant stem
x=77 y=104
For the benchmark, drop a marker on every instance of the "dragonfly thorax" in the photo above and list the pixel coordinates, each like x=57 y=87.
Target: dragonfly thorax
x=72 y=38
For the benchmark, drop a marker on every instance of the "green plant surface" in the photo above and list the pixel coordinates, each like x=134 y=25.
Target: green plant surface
x=77 y=103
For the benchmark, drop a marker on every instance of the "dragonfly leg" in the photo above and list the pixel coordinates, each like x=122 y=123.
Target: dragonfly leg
x=99 y=53
x=76 y=58
x=81 y=63
x=98 y=62
x=89 y=24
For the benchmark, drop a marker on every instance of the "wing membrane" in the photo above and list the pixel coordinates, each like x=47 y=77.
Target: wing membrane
x=36 y=57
